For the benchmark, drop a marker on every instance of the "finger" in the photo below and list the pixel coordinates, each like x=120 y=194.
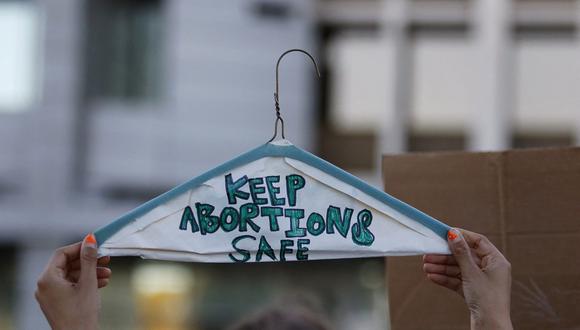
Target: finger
x=61 y=256
x=479 y=243
x=87 y=277
x=449 y=282
x=102 y=282
x=54 y=273
x=476 y=259
x=448 y=259
x=441 y=269
x=462 y=253
x=440 y=259
x=104 y=261
x=76 y=264
x=102 y=272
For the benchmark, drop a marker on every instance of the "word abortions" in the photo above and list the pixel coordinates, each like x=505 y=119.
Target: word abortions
x=263 y=209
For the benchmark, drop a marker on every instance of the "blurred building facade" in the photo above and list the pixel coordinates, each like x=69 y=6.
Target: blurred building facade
x=105 y=104
x=452 y=74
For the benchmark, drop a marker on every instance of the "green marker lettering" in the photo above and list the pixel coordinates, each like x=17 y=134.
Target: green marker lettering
x=301 y=249
x=245 y=253
x=294 y=182
x=257 y=188
x=272 y=213
x=361 y=235
x=285 y=249
x=315 y=224
x=208 y=223
x=335 y=220
x=232 y=213
x=233 y=188
x=265 y=248
x=273 y=190
x=295 y=215
x=248 y=212
x=187 y=217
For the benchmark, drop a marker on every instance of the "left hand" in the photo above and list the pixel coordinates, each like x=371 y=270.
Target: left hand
x=67 y=290
x=479 y=273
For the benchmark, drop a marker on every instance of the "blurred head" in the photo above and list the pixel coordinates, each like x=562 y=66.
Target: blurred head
x=283 y=318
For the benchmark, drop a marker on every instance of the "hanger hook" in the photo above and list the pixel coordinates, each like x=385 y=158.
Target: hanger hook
x=277 y=93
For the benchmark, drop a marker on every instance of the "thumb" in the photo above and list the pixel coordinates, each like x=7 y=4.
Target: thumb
x=461 y=252
x=88 y=276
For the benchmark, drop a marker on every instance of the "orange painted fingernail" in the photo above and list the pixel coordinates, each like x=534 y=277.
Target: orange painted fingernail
x=90 y=239
x=451 y=235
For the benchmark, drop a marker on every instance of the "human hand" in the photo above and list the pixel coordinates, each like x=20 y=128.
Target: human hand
x=479 y=273
x=67 y=290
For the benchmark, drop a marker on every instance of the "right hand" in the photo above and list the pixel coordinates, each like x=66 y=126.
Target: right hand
x=479 y=273
x=68 y=288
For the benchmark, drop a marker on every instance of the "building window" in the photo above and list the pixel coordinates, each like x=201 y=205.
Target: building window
x=541 y=140
x=547 y=75
x=443 y=81
x=124 y=49
x=18 y=39
x=436 y=141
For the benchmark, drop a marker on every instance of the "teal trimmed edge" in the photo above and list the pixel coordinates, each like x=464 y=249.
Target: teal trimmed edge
x=272 y=150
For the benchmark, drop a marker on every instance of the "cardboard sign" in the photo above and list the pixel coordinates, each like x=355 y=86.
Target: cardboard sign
x=527 y=202
x=275 y=203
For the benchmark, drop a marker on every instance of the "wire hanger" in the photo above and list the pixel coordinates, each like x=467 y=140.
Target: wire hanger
x=277 y=93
